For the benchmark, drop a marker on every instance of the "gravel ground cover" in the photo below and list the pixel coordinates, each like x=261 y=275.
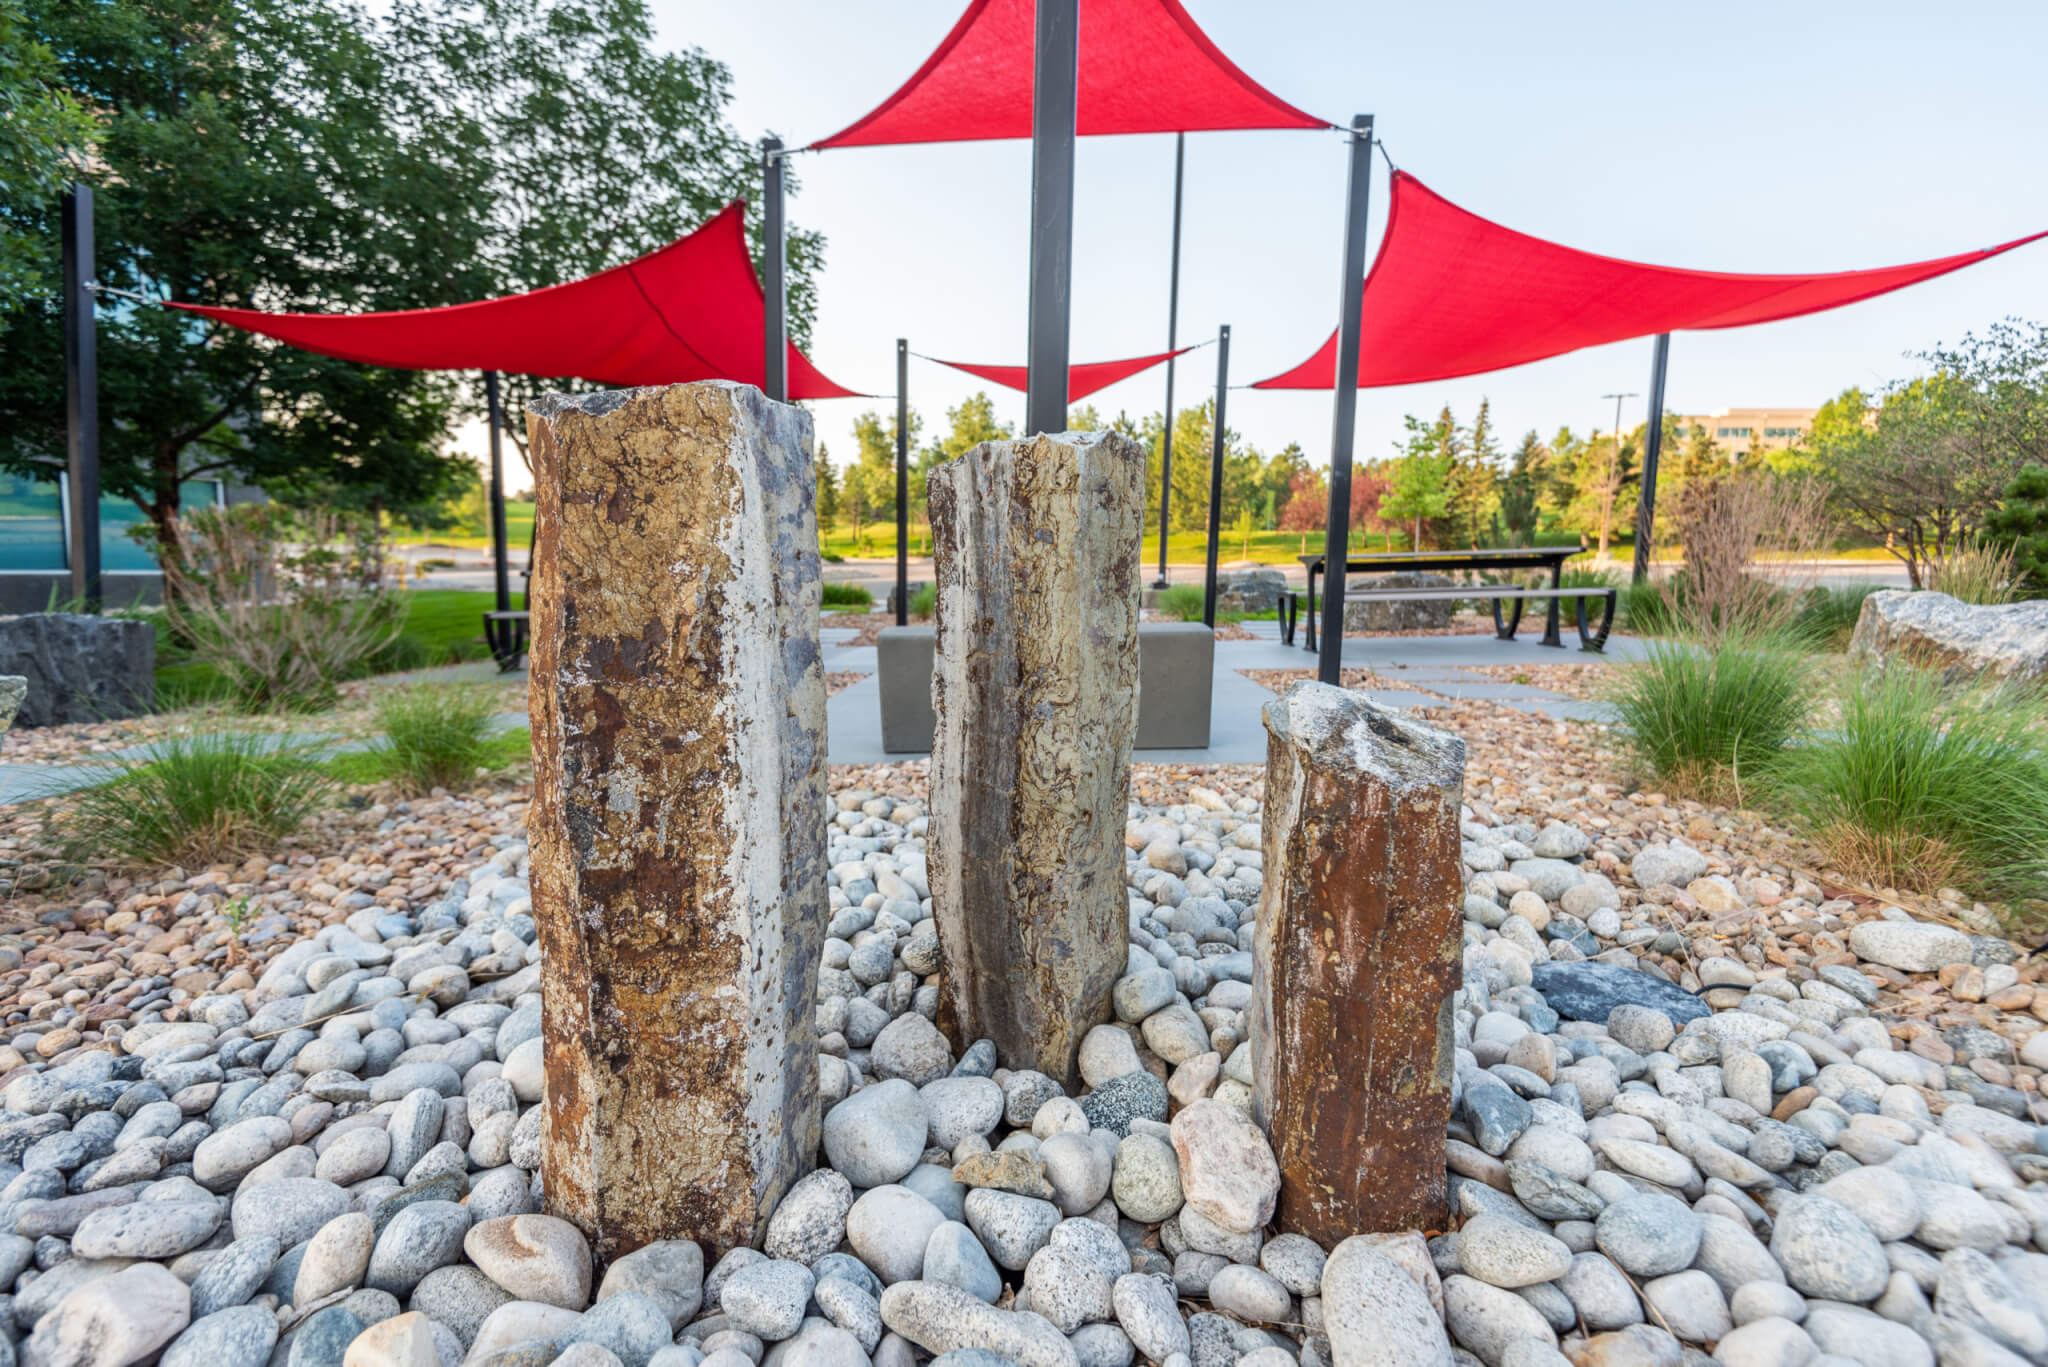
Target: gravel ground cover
x=1707 y=1102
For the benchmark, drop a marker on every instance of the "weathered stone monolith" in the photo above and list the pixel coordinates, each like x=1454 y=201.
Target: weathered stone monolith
x=1356 y=959
x=678 y=712
x=1035 y=692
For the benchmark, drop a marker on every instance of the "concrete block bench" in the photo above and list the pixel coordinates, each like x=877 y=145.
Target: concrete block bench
x=1176 y=664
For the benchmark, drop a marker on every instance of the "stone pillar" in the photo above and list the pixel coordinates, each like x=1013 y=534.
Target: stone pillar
x=1035 y=694
x=1356 y=960
x=677 y=828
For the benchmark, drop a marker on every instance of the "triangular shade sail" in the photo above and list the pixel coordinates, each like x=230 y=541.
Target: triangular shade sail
x=1452 y=294
x=692 y=310
x=1144 y=68
x=1082 y=380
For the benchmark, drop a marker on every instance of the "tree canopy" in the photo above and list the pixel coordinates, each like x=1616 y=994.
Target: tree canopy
x=301 y=154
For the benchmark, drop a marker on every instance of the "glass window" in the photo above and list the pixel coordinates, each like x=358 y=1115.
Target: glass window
x=118 y=550
x=32 y=535
x=31 y=524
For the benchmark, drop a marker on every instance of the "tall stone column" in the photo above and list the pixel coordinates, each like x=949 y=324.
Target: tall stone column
x=1035 y=692
x=1356 y=960
x=678 y=842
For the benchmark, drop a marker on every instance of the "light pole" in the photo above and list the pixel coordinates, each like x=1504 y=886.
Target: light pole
x=1613 y=464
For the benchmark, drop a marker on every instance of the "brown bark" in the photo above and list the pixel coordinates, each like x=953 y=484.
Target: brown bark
x=678 y=845
x=1356 y=961
x=1036 y=553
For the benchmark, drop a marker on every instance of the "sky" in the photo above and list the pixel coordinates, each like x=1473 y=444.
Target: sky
x=1741 y=136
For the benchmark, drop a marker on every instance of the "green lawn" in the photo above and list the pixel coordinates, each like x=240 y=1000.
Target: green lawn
x=518 y=532
x=442 y=626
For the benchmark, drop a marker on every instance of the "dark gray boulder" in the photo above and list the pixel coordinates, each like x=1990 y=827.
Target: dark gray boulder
x=79 y=668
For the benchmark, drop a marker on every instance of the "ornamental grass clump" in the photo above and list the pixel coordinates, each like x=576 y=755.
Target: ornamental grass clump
x=1712 y=718
x=1922 y=786
x=1827 y=615
x=1182 y=603
x=195 y=800
x=283 y=605
x=436 y=734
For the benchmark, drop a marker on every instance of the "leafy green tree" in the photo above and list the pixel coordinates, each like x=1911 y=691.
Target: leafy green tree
x=2020 y=523
x=297 y=154
x=1923 y=471
x=255 y=152
x=43 y=131
x=592 y=145
x=1418 y=480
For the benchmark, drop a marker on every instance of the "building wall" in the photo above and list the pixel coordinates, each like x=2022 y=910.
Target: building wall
x=1738 y=431
x=35 y=544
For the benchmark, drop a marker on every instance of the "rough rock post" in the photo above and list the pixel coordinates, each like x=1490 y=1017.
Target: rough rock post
x=1355 y=962
x=1035 y=691
x=678 y=856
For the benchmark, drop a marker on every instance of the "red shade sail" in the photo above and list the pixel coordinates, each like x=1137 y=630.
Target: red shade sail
x=1144 y=68
x=1082 y=380
x=692 y=310
x=1452 y=294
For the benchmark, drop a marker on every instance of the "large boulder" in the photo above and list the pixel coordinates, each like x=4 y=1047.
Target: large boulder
x=1935 y=631
x=79 y=668
x=1364 y=614
x=1254 y=589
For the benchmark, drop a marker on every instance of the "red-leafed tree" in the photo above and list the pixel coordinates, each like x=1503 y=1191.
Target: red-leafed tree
x=1308 y=504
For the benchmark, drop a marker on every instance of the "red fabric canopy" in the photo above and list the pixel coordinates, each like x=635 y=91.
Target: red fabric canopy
x=1082 y=380
x=1452 y=294
x=1144 y=68
x=692 y=310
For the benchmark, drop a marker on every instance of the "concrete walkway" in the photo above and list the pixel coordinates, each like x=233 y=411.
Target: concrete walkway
x=1237 y=735
x=1443 y=665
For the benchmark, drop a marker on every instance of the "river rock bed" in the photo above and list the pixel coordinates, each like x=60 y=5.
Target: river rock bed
x=1701 y=1107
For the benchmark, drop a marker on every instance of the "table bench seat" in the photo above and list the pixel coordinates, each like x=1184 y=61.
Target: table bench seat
x=1589 y=639
x=506 y=634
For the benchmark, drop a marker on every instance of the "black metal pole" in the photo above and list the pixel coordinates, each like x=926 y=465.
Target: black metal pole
x=1653 y=445
x=81 y=398
x=775 y=320
x=902 y=481
x=1350 y=304
x=1052 y=213
x=501 y=569
x=1216 y=474
x=1180 y=148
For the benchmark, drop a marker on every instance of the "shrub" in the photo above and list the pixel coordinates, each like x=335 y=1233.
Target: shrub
x=2020 y=524
x=1646 y=609
x=1588 y=577
x=1922 y=786
x=1827 y=616
x=267 y=599
x=1727 y=524
x=1182 y=602
x=1976 y=572
x=848 y=596
x=925 y=602
x=195 y=800
x=1710 y=718
x=437 y=734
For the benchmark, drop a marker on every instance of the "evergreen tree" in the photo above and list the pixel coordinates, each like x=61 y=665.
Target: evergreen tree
x=1418 y=481
x=1519 y=511
x=828 y=489
x=2021 y=523
x=1474 y=494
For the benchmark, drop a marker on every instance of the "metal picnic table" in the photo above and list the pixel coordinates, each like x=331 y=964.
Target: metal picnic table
x=1498 y=558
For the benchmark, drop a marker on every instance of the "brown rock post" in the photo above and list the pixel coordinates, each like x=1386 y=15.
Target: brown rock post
x=1355 y=962
x=1035 y=691
x=678 y=840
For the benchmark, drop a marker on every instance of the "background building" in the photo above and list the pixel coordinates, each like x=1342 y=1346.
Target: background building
x=1738 y=431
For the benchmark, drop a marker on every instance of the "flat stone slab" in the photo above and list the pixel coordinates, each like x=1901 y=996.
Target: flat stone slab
x=1589 y=991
